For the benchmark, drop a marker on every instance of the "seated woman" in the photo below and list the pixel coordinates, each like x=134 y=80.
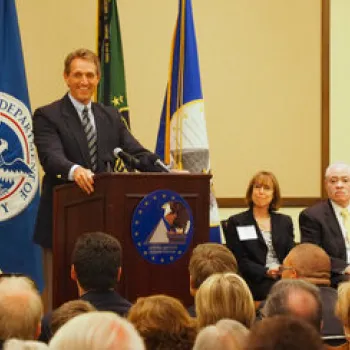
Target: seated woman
x=260 y=238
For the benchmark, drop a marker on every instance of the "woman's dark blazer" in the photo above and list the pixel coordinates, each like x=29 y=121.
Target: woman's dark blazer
x=251 y=254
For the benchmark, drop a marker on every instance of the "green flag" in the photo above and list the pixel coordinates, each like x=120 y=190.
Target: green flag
x=112 y=89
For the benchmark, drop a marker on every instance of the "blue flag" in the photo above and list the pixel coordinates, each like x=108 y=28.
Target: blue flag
x=182 y=136
x=19 y=181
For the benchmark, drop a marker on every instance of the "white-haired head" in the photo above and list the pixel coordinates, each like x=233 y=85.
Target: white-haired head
x=97 y=330
x=224 y=335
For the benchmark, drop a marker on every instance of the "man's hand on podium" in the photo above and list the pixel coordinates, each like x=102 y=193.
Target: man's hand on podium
x=84 y=178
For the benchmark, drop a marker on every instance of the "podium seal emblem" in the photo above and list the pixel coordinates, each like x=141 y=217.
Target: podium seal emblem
x=162 y=227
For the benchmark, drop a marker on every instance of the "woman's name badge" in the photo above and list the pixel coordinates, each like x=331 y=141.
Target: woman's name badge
x=246 y=233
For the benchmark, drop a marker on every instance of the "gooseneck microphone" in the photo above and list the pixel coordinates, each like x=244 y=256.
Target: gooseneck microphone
x=159 y=163
x=127 y=158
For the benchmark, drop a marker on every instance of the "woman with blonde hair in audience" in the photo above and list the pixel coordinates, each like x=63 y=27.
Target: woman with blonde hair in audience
x=224 y=296
x=342 y=307
x=163 y=322
x=260 y=238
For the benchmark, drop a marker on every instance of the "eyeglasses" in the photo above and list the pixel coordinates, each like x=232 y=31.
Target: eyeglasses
x=282 y=268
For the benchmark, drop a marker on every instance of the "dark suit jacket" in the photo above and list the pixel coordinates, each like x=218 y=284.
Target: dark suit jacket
x=61 y=143
x=319 y=225
x=102 y=301
x=251 y=254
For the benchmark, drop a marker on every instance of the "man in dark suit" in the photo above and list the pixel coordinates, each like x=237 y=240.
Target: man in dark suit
x=75 y=139
x=325 y=223
x=96 y=269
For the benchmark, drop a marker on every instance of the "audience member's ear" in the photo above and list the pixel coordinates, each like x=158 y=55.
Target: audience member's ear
x=119 y=274
x=73 y=274
x=38 y=331
x=193 y=289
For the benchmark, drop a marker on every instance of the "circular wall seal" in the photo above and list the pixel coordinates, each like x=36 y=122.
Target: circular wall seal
x=18 y=170
x=162 y=227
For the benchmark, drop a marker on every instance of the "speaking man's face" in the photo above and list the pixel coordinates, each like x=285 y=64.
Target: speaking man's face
x=82 y=80
x=338 y=186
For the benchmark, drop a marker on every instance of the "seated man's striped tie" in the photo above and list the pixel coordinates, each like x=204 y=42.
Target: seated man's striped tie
x=91 y=138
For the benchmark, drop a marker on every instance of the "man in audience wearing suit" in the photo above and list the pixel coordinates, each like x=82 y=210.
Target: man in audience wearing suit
x=311 y=263
x=96 y=269
x=327 y=223
x=207 y=259
x=75 y=139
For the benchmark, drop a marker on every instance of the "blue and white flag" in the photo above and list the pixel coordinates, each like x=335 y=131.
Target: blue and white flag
x=19 y=194
x=182 y=136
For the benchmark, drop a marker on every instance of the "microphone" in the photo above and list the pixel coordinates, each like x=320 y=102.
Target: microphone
x=159 y=163
x=127 y=158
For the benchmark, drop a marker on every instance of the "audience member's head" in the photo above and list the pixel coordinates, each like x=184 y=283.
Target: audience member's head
x=97 y=330
x=342 y=307
x=96 y=262
x=68 y=310
x=295 y=297
x=20 y=308
x=224 y=296
x=337 y=183
x=163 y=322
x=17 y=344
x=284 y=333
x=207 y=259
x=224 y=335
x=308 y=262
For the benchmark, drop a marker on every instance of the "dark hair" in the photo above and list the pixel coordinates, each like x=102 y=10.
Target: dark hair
x=96 y=258
x=262 y=177
x=280 y=296
x=210 y=258
x=284 y=333
x=84 y=54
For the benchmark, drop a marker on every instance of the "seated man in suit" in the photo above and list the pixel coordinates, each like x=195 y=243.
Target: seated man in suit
x=327 y=223
x=311 y=263
x=207 y=259
x=96 y=269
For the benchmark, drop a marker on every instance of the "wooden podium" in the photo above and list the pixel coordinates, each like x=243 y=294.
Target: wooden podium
x=110 y=209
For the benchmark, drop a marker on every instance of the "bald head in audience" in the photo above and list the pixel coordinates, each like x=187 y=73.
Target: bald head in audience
x=308 y=262
x=20 y=308
x=295 y=298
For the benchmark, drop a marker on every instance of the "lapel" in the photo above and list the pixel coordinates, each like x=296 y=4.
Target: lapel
x=73 y=123
x=98 y=117
x=331 y=219
x=258 y=232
